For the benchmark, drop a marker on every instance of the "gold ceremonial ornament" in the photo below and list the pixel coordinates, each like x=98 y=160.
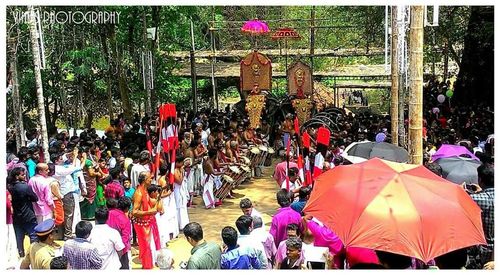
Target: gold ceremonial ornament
x=303 y=109
x=255 y=105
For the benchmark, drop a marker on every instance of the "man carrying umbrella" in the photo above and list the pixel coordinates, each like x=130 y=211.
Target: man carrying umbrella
x=485 y=198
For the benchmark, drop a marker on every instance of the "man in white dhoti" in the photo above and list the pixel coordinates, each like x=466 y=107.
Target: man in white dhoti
x=182 y=176
x=167 y=222
x=209 y=174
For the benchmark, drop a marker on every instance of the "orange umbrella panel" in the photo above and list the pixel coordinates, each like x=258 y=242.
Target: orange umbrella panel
x=399 y=208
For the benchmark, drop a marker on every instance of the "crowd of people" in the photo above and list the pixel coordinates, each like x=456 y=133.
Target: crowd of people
x=133 y=187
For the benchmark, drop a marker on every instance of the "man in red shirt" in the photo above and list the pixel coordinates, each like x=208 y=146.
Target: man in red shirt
x=114 y=189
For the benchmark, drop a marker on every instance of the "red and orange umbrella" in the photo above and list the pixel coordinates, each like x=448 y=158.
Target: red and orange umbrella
x=399 y=208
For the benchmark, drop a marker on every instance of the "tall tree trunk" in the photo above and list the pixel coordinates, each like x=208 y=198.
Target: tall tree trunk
x=446 y=58
x=416 y=83
x=109 y=77
x=16 y=100
x=122 y=85
x=145 y=50
x=38 y=80
x=475 y=81
x=88 y=120
x=154 y=49
x=394 y=76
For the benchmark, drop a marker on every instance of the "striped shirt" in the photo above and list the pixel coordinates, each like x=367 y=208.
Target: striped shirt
x=82 y=254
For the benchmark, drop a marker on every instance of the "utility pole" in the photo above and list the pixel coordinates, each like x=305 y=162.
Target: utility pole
x=193 y=71
x=35 y=50
x=416 y=81
x=394 y=76
x=311 y=50
x=212 y=63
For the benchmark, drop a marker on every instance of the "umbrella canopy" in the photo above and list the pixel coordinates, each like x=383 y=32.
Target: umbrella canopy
x=449 y=150
x=394 y=207
x=255 y=27
x=459 y=169
x=358 y=152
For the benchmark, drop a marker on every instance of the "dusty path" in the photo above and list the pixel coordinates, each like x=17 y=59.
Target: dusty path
x=261 y=191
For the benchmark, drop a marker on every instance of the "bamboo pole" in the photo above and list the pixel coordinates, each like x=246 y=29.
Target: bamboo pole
x=416 y=80
x=35 y=52
x=212 y=62
x=394 y=76
x=312 y=40
x=402 y=76
x=193 y=71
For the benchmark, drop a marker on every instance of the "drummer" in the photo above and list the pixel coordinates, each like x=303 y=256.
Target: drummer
x=221 y=163
x=249 y=136
x=233 y=153
x=233 y=136
x=223 y=158
x=287 y=129
x=265 y=131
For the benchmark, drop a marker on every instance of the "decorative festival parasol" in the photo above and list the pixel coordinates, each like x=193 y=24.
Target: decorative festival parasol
x=285 y=33
x=255 y=27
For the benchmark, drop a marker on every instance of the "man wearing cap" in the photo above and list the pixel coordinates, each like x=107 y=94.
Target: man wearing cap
x=41 y=253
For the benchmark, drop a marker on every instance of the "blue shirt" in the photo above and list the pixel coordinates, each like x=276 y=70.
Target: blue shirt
x=129 y=194
x=240 y=258
x=298 y=206
x=31 y=167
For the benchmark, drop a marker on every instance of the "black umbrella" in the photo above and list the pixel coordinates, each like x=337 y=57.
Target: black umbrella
x=459 y=169
x=360 y=151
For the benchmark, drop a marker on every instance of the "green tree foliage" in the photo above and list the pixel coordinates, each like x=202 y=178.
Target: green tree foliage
x=78 y=72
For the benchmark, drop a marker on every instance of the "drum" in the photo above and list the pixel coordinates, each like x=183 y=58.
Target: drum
x=227 y=184
x=245 y=168
x=236 y=174
x=254 y=154
x=245 y=160
x=269 y=157
x=235 y=169
x=263 y=155
x=247 y=172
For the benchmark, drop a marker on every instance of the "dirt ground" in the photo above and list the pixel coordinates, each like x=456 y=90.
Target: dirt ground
x=261 y=191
